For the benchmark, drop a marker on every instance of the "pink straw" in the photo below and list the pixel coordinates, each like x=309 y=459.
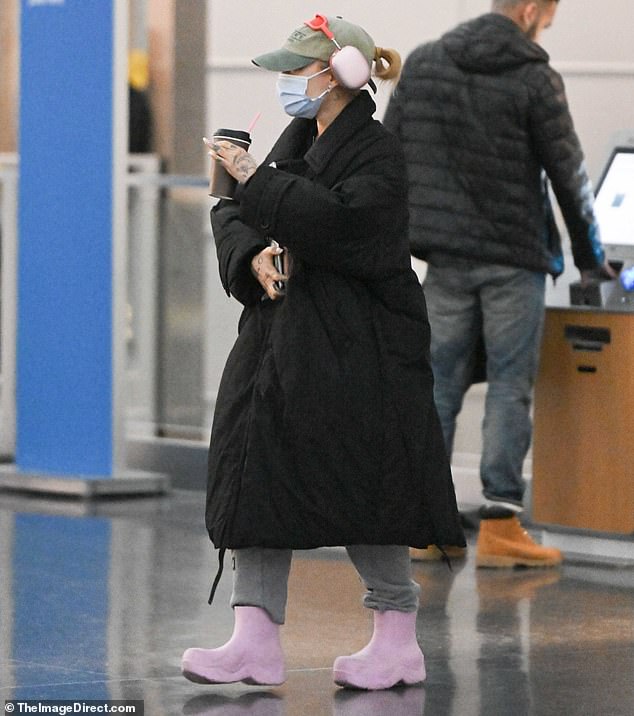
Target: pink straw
x=254 y=122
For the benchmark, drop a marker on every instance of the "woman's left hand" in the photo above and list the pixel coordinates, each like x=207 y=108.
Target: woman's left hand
x=236 y=160
x=263 y=268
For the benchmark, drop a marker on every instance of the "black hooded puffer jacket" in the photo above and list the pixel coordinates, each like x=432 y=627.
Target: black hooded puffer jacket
x=481 y=115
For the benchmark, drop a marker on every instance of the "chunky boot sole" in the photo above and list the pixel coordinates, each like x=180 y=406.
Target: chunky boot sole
x=251 y=674
x=502 y=561
x=351 y=674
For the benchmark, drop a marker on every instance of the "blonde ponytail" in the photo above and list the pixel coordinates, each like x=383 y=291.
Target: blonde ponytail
x=387 y=64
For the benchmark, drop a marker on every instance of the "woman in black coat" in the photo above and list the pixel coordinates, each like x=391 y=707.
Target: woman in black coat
x=325 y=430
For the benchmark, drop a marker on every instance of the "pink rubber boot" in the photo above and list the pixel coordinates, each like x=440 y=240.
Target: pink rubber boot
x=392 y=657
x=253 y=654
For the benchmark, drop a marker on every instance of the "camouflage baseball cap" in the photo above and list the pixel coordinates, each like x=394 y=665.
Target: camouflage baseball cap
x=306 y=45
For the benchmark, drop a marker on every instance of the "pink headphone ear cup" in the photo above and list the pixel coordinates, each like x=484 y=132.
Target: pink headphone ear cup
x=350 y=67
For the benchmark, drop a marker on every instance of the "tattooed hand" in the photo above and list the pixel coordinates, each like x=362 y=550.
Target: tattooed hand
x=263 y=268
x=236 y=160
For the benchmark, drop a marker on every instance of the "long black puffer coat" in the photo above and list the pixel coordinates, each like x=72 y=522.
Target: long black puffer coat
x=325 y=431
x=481 y=114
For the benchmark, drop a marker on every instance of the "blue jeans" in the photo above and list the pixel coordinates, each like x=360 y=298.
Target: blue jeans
x=505 y=306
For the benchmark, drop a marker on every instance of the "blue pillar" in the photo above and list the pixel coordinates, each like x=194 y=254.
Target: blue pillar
x=65 y=265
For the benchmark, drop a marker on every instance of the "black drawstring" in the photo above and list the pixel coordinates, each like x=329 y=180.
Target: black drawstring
x=221 y=564
x=445 y=558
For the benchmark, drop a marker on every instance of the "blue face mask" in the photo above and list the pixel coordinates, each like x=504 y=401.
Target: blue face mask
x=291 y=91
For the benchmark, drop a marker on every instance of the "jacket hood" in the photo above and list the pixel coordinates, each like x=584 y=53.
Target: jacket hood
x=491 y=43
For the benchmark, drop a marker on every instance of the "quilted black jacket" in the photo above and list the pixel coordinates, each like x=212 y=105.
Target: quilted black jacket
x=481 y=115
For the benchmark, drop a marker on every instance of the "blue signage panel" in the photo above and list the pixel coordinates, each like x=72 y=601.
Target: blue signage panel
x=64 y=352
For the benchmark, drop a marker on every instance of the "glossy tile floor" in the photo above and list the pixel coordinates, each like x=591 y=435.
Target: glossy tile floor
x=98 y=600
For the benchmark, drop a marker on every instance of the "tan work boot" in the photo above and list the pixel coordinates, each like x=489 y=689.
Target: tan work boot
x=505 y=543
x=433 y=554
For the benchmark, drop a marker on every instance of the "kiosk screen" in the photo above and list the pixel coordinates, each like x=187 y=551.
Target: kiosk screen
x=614 y=204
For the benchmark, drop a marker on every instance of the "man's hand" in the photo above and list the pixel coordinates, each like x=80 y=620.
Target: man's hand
x=603 y=272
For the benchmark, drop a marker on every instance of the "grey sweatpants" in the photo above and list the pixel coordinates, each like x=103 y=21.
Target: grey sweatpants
x=260 y=578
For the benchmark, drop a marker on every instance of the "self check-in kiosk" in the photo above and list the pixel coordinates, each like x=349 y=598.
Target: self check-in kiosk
x=583 y=447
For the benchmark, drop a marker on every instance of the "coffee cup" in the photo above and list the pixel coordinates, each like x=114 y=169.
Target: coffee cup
x=221 y=184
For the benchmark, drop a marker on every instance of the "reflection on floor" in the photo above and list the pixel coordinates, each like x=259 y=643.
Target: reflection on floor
x=98 y=601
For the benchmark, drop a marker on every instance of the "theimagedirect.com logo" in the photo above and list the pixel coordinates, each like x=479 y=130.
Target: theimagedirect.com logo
x=63 y=708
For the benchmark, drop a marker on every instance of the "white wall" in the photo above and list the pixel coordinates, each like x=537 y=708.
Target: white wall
x=591 y=43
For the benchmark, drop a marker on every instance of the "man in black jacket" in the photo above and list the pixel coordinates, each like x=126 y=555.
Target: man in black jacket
x=484 y=123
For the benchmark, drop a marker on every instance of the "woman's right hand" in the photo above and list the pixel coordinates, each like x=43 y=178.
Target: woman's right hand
x=263 y=268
